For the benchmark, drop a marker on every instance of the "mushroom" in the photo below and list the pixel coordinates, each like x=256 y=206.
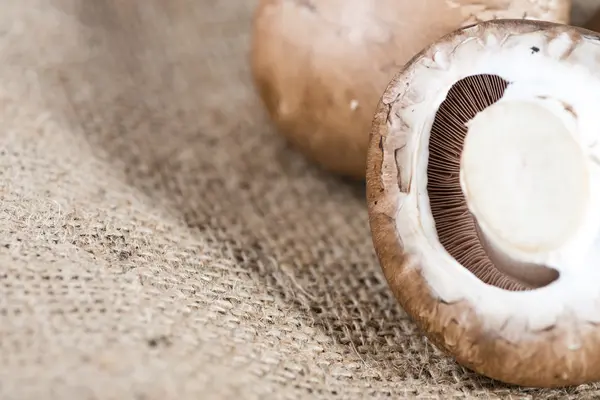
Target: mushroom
x=321 y=66
x=483 y=185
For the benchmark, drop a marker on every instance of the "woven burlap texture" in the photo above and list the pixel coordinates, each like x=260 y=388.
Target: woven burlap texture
x=159 y=240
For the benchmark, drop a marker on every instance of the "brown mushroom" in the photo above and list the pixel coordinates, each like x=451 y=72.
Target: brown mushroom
x=483 y=185
x=321 y=66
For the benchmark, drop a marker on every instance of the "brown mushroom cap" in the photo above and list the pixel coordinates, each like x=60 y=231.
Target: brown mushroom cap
x=546 y=336
x=321 y=66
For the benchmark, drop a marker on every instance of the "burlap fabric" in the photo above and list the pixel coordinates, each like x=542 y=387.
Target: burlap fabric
x=160 y=241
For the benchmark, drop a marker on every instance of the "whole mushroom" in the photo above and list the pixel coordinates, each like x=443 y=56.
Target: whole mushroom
x=321 y=65
x=483 y=188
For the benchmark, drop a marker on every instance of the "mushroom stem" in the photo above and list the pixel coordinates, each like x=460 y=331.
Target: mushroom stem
x=525 y=180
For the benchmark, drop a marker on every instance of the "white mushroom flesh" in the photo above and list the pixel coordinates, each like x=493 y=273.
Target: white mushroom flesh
x=525 y=178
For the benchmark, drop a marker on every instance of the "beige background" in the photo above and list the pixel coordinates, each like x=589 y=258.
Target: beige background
x=158 y=240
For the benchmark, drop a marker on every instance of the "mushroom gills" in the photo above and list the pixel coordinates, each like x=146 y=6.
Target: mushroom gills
x=507 y=183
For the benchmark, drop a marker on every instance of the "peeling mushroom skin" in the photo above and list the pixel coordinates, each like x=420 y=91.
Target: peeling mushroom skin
x=320 y=66
x=483 y=185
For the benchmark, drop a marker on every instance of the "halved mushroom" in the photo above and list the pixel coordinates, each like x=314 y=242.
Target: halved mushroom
x=483 y=186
